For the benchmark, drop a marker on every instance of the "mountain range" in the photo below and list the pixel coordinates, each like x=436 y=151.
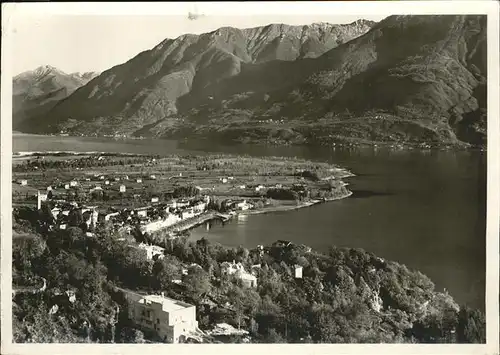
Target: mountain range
x=35 y=92
x=406 y=79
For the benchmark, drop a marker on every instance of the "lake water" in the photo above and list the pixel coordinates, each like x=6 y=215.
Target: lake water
x=424 y=209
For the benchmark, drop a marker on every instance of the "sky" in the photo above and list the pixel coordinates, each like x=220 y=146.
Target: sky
x=96 y=42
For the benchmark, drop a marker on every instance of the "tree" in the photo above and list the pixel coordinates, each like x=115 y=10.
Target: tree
x=471 y=327
x=197 y=282
x=75 y=218
x=164 y=271
x=274 y=337
x=131 y=335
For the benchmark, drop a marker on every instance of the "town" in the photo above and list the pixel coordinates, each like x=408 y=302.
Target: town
x=148 y=204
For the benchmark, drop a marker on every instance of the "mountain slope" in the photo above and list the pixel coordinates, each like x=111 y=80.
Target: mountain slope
x=147 y=87
x=36 y=91
x=409 y=79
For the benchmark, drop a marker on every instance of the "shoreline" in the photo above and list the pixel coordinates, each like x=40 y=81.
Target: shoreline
x=390 y=145
x=292 y=208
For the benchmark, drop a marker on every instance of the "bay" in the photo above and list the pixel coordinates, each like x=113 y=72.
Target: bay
x=425 y=209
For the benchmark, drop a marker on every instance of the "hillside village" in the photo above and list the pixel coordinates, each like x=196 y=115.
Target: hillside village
x=101 y=249
x=136 y=208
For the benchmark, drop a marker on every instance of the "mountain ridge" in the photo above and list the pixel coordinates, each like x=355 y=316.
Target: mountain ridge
x=37 y=91
x=231 y=84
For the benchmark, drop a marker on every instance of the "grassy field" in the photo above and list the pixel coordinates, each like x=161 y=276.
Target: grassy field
x=221 y=176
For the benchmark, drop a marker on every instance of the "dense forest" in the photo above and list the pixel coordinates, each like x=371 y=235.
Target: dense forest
x=346 y=295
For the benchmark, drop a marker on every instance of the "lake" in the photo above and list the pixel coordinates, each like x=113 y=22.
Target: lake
x=426 y=210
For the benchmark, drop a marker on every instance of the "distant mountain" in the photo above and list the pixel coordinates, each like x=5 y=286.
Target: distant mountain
x=36 y=91
x=408 y=79
x=147 y=87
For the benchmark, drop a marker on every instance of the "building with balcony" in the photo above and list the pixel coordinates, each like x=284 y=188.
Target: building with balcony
x=171 y=320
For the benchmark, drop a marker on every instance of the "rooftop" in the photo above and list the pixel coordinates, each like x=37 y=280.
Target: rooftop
x=168 y=304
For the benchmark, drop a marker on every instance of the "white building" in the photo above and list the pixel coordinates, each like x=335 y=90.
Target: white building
x=139 y=181
x=152 y=251
x=66 y=186
x=23 y=182
x=73 y=183
x=239 y=272
x=49 y=188
x=243 y=205
x=259 y=188
x=188 y=213
x=247 y=279
x=142 y=212
x=152 y=177
x=170 y=319
x=123 y=188
x=41 y=198
x=297 y=271
x=170 y=220
x=200 y=207
x=154 y=199
x=106 y=182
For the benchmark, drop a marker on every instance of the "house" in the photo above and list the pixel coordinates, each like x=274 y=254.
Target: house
x=106 y=182
x=170 y=319
x=224 y=180
x=187 y=213
x=117 y=179
x=73 y=183
x=142 y=212
x=247 y=279
x=154 y=199
x=170 y=220
x=62 y=226
x=139 y=181
x=102 y=177
x=41 y=198
x=297 y=271
x=181 y=204
x=108 y=216
x=152 y=177
x=152 y=251
x=123 y=188
x=66 y=186
x=243 y=187
x=49 y=188
x=23 y=182
x=243 y=205
x=259 y=188
x=200 y=207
